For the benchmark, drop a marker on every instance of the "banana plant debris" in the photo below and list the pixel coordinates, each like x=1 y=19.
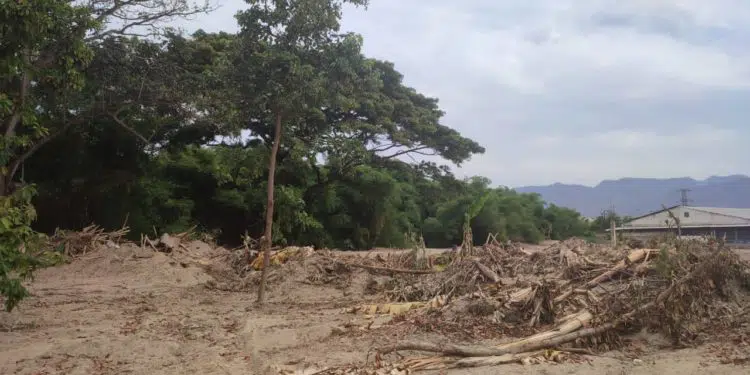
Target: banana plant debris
x=551 y=305
x=570 y=298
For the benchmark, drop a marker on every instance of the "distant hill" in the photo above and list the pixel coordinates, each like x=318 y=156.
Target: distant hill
x=638 y=196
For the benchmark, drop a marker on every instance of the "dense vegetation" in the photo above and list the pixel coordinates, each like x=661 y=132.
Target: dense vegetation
x=115 y=119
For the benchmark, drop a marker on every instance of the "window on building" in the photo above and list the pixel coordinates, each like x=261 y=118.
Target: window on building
x=686 y=214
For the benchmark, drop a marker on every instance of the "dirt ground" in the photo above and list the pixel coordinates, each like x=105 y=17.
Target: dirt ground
x=129 y=310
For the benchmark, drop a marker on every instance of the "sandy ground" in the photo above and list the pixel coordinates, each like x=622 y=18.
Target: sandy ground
x=134 y=311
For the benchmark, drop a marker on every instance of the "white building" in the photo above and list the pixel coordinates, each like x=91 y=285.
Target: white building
x=730 y=223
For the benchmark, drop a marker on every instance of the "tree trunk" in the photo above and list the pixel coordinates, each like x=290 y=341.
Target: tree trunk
x=3 y=184
x=267 y=234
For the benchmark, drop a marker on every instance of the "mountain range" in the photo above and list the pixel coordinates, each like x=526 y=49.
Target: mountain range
x=639 y=196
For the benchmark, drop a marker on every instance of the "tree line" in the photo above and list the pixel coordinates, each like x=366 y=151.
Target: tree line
x=109 y=117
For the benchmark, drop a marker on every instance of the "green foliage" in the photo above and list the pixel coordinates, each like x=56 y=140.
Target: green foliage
x=43 y=50
x=174 y=132
x=17 y=243
x=602 y=222
x=476 y=207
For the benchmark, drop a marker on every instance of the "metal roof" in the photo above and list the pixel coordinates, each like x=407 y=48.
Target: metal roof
x=743 y=213
x=734 y=217
x=683 y=227
x=653 y=212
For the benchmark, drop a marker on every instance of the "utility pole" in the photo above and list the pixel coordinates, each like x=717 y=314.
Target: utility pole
x=613 y=225
x=684 y=197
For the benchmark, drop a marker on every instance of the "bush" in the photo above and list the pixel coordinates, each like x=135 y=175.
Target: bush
x=17 y=243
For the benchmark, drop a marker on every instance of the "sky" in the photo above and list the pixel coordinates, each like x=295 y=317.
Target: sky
x=571 y=91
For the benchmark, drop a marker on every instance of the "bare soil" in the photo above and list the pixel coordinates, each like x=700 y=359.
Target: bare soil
x=129 y=310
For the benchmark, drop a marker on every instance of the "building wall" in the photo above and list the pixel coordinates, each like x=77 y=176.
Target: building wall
x=694 y=217
x=737 y=235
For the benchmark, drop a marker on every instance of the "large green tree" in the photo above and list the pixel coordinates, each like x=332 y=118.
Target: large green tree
x=43 y=50
x=287 y=73
x=134 y=123
x=46 y=46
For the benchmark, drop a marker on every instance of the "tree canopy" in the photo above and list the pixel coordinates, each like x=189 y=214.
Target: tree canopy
x=116 y=118
x=174 y=131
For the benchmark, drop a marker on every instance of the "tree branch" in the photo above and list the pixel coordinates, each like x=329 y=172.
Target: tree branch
x=416 y=150
x=141 y=13
x=381 y=149
x=22 y=158
x=10 y=127
x=127 y=127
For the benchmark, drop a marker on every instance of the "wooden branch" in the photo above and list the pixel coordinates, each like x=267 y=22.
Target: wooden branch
x=529 y=346
x=148 y=19
x=675 y=218
x=633 y=257
x=411 y=150
x=384 y=269
x=488 y=273
x=493 y=360
x=128 y=128
x=445 y=349
x=15 y=118
x=386 y=148
x=535 y=342
x=565 y=333
x=16 y=163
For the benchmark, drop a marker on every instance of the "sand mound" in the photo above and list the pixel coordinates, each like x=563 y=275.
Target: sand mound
x=136 y=266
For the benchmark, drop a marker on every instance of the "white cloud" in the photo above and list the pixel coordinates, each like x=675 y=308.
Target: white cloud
x=562 y=90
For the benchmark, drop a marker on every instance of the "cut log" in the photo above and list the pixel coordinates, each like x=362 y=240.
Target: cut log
x=383 y=269
x=572 y=323
x=531 y=343
x=634 y=257
x=488 y=273
x=492 y=360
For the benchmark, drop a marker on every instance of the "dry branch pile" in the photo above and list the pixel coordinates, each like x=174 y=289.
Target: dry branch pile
x=74 y=243
x=574 y=293
x=570 y=294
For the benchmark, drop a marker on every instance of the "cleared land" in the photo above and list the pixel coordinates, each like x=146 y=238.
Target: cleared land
x=133 y=310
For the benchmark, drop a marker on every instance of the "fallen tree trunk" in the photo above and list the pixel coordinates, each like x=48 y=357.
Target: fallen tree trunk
x=492 y=361
x=439 y=363
x=383 y=269
x=528 y=344
x=565 y=333
x=568 y=325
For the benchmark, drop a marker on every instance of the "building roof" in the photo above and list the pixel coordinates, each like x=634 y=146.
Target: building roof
x=734 y=212
x=653 y=213
x=692 y=217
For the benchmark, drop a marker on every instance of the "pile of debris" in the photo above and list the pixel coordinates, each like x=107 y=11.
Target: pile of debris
x=572 y=293
x=74 y=243
x=556 y=303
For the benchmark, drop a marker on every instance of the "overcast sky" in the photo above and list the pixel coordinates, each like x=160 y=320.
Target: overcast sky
x=572 y=91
